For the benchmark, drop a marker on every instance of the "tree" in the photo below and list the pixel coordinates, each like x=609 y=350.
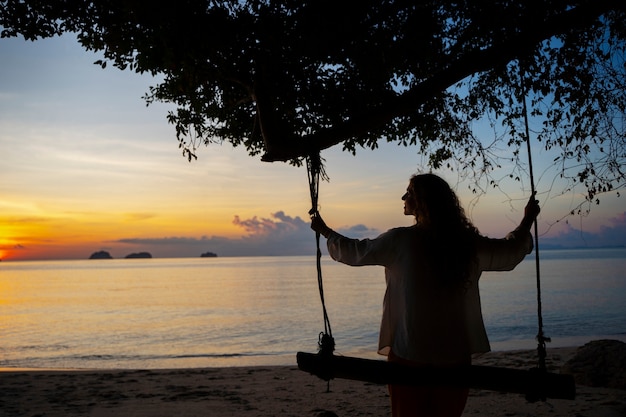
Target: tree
x=289 y=78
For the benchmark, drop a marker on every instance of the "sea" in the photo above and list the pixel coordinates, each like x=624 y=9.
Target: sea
x=249 y=311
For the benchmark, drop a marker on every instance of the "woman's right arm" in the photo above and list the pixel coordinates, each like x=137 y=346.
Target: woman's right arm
x=318 y=224
x=353 y=252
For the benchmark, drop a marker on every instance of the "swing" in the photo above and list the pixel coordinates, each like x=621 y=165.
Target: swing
x=536 y=383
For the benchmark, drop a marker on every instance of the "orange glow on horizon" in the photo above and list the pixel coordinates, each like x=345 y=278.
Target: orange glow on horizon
x=78 y=238
x=49 y=232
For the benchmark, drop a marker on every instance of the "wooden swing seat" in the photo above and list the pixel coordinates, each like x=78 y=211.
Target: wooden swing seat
x=534 y=383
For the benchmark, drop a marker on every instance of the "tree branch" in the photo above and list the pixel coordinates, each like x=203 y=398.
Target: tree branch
x=280 y=149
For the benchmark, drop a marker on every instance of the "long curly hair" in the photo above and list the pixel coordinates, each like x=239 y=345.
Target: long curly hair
x=439 y=213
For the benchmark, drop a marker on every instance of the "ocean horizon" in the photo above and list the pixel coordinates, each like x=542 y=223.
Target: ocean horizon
x=242 y=311
x=144 y=254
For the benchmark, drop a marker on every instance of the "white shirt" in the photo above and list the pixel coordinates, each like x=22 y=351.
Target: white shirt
x=424 y=322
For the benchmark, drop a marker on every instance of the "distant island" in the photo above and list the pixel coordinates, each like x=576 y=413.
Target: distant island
x=138 y=255
x=101 y=255
x=552 y=246
x=106 y=255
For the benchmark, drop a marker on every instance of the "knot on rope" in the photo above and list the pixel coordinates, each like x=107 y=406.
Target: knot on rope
x=541 y=348
x=326 y=344
x=315 y=171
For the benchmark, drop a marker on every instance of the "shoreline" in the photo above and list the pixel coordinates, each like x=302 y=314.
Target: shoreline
x=499 y=347
x=567 y=350
x=265 y=391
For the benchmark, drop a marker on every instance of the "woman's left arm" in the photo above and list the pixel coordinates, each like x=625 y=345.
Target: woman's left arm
x=505 y=254
x=531 y=211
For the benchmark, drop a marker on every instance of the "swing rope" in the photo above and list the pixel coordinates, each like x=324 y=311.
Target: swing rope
x=315 y=172
x=541 y=338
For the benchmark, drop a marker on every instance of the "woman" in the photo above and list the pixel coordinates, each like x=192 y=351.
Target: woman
x=431 y=309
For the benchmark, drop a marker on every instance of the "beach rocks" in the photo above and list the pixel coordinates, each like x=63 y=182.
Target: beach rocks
x=600 y=363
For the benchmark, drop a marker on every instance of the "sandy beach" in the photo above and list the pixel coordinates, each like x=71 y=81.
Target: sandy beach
x=266 y=391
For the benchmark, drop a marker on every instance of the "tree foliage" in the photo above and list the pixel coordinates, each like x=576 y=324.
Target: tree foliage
x=288 y=78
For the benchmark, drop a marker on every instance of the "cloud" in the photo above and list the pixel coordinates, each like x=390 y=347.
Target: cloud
x=277 y=235
x=267 y=227
x=26 y=219
x=25 y=247
x=611 y=235
x=359 y=231
x=13 y=247
x=140 y=216
x=619 y=221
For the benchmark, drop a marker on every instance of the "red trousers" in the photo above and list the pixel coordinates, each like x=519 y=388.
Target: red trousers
x=424 y=401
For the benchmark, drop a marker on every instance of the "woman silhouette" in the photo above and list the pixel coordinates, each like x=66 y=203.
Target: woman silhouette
x=431 y=308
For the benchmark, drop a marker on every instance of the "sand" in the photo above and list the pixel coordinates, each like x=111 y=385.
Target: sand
x=265 y=391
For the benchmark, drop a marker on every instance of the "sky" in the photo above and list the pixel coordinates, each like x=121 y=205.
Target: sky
x=87 y=166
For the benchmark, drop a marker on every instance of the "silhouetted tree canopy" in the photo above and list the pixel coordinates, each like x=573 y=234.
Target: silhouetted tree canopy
x=288 y=78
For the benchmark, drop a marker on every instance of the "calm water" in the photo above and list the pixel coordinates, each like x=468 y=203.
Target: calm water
x=176 y=313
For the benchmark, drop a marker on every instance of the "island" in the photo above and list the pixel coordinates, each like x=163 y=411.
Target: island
x=138 y=255
x=208 y=255
x=101 y=255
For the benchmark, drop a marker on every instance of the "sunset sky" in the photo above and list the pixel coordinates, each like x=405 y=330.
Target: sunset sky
x=87 y=166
